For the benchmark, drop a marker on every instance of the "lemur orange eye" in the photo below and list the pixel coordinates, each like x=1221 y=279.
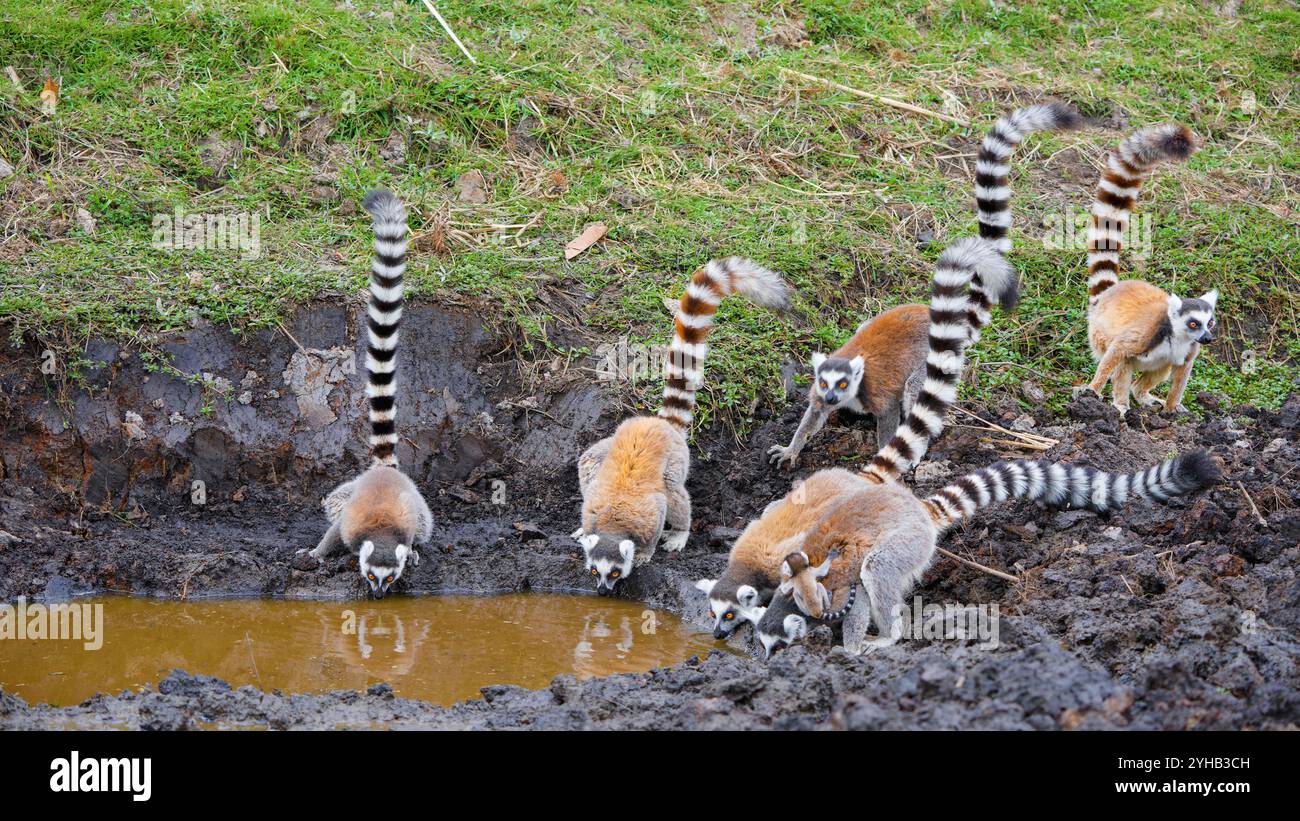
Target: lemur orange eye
x=370 y=576
x=822 y=383
x=1193 y=324
x=729 y=615
x=615 y=573
x=842 y=385
x=595 y=572
x=388 y=580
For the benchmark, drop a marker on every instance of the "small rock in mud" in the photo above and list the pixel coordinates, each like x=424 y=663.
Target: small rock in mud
x=528 y=531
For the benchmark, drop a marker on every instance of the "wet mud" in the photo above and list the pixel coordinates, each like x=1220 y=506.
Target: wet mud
x=1176 y=616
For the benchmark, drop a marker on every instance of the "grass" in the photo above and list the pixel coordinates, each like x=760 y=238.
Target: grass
x=671 y=122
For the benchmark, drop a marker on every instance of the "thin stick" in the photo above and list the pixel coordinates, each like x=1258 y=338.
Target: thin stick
x=889 y=101
x=291 y=338
x=979 y=566
x=450 y=33
x=1262 y=521
x=1033 y=439
x=13 y=78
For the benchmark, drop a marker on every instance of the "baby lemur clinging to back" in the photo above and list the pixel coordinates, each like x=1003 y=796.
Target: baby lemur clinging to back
x=634 y=482
x=881 y=369
x=1133 y=325
x=380 y=515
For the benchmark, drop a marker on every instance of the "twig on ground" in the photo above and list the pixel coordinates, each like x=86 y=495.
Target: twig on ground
x=434 y=11
x=978 y=566
x=1028 y=440
x=1254 y=509
x=889 y=101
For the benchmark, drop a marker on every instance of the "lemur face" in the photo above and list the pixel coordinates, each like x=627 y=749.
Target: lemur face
x=1193 y=319
x=609 y=561
x=782 y=625
x=381 y=573
x=728 y=613
x=836 y=379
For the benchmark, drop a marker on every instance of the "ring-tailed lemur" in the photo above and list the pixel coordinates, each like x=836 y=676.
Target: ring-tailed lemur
x=783 y=623
x=634 y=482
x=1133 y=325
x=753 y=567
x=884 y=536
x=380 y=515
x=880 y=370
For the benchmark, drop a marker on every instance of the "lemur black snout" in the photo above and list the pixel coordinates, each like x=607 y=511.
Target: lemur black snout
x=1206 y=338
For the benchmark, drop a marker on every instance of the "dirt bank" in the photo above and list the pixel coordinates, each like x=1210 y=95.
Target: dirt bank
x=1175 y=616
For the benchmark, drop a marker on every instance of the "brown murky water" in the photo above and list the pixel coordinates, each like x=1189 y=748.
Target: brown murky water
x=439 y=648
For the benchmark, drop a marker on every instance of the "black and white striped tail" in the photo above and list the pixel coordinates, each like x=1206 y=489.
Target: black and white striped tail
x=993 y=189
x=1117 y=191
x=952 y=326
x=1061 y=485
x=838 y=615
x=384 y=315
x=684 y=367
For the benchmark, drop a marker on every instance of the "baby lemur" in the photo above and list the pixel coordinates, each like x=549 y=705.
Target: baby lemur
x=1133 y=325
x=634 y=482
x=753 y=567
x=380 y=515
x=884 y=536
x=880 y=370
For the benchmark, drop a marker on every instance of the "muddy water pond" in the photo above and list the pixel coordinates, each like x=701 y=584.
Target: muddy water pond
x=440 y=649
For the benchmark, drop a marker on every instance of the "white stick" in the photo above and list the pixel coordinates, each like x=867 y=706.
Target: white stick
x=450 y=33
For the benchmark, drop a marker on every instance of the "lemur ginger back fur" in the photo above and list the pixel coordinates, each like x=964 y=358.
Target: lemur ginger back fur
x=634 y=482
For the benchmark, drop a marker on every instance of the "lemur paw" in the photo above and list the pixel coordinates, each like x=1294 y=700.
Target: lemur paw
x=1082 y=390
x=1179 y=408
x=676 y=540
x=577 y=534
x=781 y=456
x=1149 y=402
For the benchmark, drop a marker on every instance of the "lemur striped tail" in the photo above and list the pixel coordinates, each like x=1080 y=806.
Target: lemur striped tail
x=1063 y=485
x=384 y=314
x=838 y=615
x=952 y=326
x=993 y=191
x=684 y=368
x=1128 y=165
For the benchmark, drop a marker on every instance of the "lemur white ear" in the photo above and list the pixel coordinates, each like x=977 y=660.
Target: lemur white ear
x=1211 y=297
x=705 y=586
x=857 y=363
x=402 y=552
x=747 y=596
x=786 y=572
x=625 y=549
x=817 y=360
x=1175 y=303
x=367 y=547
x=588 y=542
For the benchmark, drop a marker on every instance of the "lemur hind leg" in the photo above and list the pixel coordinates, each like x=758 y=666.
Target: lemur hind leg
x=856 y=625
x=588 y=463
x=1144 y=383
x=677 y=514
x=1121 y=385
x=886 y=423
x=888 y=572
x=1105 y=368
x=337 y=500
